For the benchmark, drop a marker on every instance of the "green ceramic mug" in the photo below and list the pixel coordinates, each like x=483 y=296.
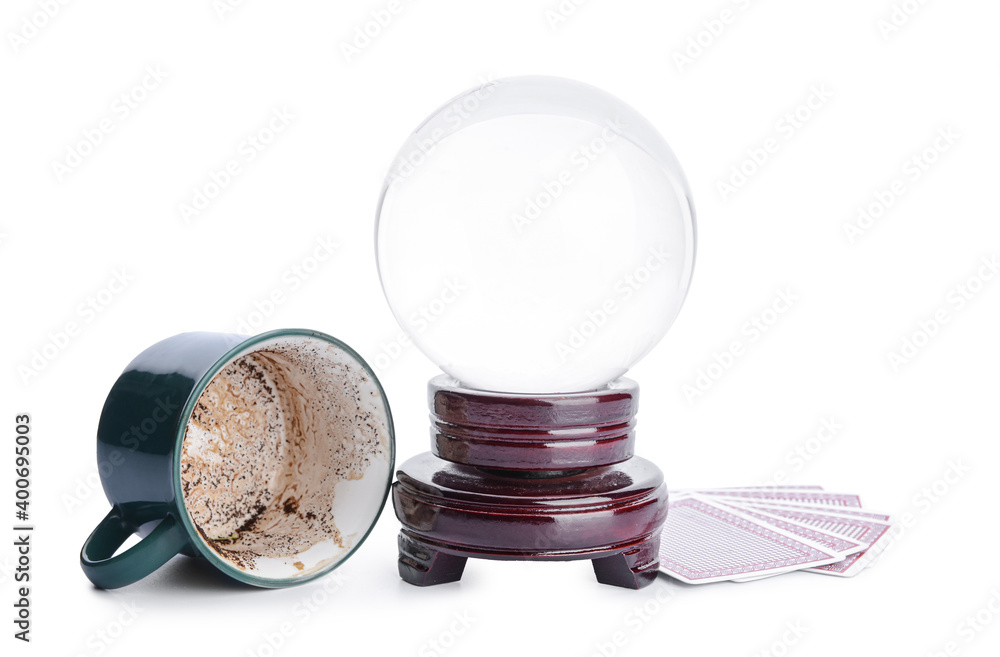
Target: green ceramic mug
x=271 y=456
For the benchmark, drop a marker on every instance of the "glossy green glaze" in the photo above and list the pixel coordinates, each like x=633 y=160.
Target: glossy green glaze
x=139 y=438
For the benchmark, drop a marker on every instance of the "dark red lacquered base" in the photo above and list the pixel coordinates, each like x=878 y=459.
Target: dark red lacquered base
x=549 y=477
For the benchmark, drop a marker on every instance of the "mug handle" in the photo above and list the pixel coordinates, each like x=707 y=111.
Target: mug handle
x=108 y=571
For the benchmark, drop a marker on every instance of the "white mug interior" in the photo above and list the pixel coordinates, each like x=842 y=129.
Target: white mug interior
x=286 y=458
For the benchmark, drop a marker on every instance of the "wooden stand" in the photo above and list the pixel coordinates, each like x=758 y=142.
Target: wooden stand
x=547 y=477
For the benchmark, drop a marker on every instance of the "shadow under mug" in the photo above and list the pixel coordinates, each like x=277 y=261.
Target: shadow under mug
x=271 y=456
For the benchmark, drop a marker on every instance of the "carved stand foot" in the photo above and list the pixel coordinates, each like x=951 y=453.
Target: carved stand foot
x=632 y=569
x=422 y=565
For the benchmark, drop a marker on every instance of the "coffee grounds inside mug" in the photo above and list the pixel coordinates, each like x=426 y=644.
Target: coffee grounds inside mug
x=269 y=440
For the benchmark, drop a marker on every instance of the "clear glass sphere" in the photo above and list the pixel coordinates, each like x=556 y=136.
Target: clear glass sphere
x=535 y=235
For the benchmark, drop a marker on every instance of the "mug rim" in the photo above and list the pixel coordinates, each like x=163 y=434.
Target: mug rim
x=243 y=348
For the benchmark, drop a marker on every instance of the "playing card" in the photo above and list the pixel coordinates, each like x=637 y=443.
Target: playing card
x=850 y=524
x=817 y=497
x=841 y=511
x=704 y=542
x=838 y=543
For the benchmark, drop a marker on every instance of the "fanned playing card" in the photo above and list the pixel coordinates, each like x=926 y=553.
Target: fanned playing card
x=705 y=542
x=801 y=496
x=839 y=543
x=866 y=530
x=752 y=532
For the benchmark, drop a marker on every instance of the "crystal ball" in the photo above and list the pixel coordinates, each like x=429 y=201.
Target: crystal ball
x=535 y=235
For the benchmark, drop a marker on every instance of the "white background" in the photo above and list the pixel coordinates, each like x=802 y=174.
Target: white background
x=904 y=428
